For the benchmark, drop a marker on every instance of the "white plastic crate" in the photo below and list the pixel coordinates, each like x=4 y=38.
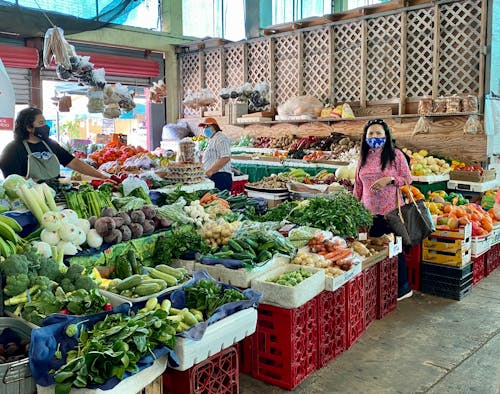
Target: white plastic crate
x=333 y=283
x=289 y=297
x=431 y=178
x=481 y=245
x=243 y=278
x=496 y=234
x=213 y=270
x=130 y=385
x=473 y=186
x=217 y=337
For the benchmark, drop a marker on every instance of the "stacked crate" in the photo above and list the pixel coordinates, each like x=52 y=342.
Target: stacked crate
x=446 y=263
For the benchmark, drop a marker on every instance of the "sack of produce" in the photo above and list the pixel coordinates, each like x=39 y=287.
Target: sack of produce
x=470 y=104
x=187 y=151
x=425 y=106
x=95 y=104
x=301 y=105
x=439 y=105
x=473 y=125
x=422 y=127
x=453 y=104
x=175 y=132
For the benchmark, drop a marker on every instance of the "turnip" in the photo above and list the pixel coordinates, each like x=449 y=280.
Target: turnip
x=50 y=237
x=43 y=248
x=80 y=238
x=84 y=225
x=51 y=221
x=94 y=240
x=68 y=232
x=68 y=216
x=67 y=247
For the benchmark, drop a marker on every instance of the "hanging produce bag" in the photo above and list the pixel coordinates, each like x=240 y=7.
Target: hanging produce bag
x=7 y=100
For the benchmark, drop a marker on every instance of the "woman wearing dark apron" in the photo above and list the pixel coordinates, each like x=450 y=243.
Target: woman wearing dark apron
x=34 y=155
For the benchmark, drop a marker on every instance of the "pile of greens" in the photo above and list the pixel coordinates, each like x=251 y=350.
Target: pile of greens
x=206 y=296
x=113 y=347
x=342 y=214
x=177 y=242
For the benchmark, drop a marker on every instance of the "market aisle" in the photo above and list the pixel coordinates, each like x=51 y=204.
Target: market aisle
x=428 y=345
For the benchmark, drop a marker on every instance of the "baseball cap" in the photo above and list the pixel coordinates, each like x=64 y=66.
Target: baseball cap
x=208 y=122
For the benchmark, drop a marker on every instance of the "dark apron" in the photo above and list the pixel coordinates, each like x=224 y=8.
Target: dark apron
x=42 y=165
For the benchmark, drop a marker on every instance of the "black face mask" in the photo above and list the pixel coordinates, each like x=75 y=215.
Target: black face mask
x=42 y=132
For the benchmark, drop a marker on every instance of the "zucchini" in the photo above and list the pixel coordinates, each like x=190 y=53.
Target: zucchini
x=156 y=274
x=166 y=305
x=198 y=314
x=127 y=293
x=175 y=311
x=146 y=289
x=181 y=327
x=151 y=304
x=176 y=273
x=188 y=317
x=160 y=282
x=243 y=256
x=128 y=283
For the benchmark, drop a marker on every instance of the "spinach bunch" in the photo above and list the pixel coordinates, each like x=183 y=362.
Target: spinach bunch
x=179 y=241
x=113 y=347
x=206 y=296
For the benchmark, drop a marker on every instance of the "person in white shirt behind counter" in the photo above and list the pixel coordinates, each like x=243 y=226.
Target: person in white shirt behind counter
x=217 y=156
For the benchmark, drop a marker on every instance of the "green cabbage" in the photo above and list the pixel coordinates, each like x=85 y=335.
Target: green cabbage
x=300 y=236
x=12 y=183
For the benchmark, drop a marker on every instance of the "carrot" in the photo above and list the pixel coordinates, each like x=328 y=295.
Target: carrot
x=205 y=198
x=342 y=255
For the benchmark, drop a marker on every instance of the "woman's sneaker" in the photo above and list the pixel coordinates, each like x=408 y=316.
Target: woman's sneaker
x=406 y=295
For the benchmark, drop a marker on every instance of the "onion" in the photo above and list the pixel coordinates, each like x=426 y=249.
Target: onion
x=84 y=225
x=80 y=238
x=68 y=232
x=67 y=247
x=50 y=237
x=51 y=221
x=68 y=216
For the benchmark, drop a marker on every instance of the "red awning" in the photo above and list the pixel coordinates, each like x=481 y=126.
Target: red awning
x=20 y=57
x=123 y=65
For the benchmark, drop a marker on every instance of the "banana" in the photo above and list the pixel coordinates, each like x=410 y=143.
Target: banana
x=11 y=223
x=4 y=248
x=12 y=246
x=6 y=232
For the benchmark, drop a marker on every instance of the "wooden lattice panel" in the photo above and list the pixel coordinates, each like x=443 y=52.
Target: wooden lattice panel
x=259 y=69
x=347 y=62
x=213 y=76
x=460 y=40
x=235 y=66
x=316 y=67
x=383 y=58
x=419 y=47
x=286 y=59
x=190 y=77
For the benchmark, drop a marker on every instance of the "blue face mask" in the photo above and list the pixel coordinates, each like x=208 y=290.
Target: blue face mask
x=375 y=142
x=208 y=132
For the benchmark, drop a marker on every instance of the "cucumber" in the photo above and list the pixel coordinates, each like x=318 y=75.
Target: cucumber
x=252 y=243
x=166 y=305
x=188 y=317
x=147 y=289
x=243 y=256
x=123 y=269
x=265 y=246
x=160 y=282
x=128 y=283
x=151 y=304
x=136 y=266
x=176 y=273
x=156 y=274
x=232 y=244
x=264 y=256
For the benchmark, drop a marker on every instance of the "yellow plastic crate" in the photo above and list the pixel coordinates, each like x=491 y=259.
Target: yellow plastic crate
x=461 y=233
x=458 y=259
x=446 y=244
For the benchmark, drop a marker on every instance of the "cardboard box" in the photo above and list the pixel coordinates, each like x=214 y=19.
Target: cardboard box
x=333 y=283
x=234 y=110
x=473 y=176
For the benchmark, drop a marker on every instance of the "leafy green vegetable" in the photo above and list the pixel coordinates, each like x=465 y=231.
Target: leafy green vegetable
x=176 y=242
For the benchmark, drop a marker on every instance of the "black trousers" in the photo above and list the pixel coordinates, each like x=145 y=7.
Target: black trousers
x=222 y=180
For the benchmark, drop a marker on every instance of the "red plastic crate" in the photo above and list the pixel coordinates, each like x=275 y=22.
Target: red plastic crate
x=286 y=344
x=478 y=268
x=238 y=187
x=332 y=328
x=245 y=354
x=413 y=259
x=388 y=286
x=355 y=308
x=371 y=294
x=218 y=374
x=492 y=260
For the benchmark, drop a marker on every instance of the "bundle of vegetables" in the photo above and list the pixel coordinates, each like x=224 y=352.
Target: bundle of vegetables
x=87 y=202
x=175 y=212
x=36 y=287
x=173 y=244
x=334 y=250
x=240 y=202
x=291 y=278
x=59 y=188
x=113 y=347
x=206 y=296
x=38 y=198
x=254 y=244
x=115 y=227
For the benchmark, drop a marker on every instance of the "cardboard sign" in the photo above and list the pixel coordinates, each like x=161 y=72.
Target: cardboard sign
x=7 y=100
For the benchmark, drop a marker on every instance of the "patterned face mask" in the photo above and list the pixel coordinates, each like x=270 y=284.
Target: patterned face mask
x=208 y=132
x=375 y=142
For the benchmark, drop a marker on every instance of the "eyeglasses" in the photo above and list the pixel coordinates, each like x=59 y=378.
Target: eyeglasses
x=42 y=155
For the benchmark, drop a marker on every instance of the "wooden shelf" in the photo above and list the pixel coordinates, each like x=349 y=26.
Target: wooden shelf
x=358 y=119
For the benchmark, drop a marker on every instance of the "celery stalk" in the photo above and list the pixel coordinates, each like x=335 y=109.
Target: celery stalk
x=47 y=191
x=40 y=197
x=30 y=200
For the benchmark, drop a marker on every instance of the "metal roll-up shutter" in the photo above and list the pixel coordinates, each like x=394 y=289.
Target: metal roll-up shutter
x=50 y=75
x=20 y=78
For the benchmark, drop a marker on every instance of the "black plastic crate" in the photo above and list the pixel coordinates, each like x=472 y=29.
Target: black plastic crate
x=446 y=279
x=446 y=270
x=455 y=292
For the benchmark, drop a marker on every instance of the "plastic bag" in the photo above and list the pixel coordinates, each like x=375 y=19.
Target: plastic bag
x=422 y=126
x=175 y=132
x=347 y=111
x=132 y=183
x=187 y=151
x=301 y=105
x=96 y=103
x=473 y=125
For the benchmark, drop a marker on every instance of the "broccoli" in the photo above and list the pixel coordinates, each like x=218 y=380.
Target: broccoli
x=15 y=264
x=85 y=282
x=67 y=285
x=74 y=272
x=32 y=315
x=50 y=269
x=16 y=284
x=35 y=259
x=60 y=295
x=43 y=283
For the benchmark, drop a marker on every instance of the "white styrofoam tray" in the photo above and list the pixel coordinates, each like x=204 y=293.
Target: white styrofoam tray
x=113 y=297
x=431 y=178
x=473 y=186
x=132 y=384
x=496 y=235
x=289 y=297
x=243 y=278
x=217 y=337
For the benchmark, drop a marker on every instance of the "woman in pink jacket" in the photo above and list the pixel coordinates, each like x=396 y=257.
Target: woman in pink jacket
x=382 y=170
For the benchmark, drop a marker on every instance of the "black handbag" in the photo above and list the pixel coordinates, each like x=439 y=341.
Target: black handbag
x=412 y=221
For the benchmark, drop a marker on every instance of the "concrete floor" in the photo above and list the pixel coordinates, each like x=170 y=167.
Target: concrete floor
x=428 y=345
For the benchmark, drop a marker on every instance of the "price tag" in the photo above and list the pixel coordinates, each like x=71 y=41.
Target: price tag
x=363 y=236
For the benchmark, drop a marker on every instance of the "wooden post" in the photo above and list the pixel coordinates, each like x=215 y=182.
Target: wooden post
x=180 y=88
x=402 y=85
x=245 y=63
x=300 y=43
x=331 y=63
x=364 y=60
x=223 y=75
x=435 y=62
x=482 y=54
x=272 y=73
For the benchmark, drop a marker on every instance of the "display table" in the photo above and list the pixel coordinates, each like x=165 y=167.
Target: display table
x=207 y=184
x=258 y=169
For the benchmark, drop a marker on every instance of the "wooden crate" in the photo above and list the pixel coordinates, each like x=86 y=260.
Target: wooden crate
x=473 y=176
x=155 y=387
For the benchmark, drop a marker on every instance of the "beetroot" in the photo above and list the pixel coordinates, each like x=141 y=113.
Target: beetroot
x=125 y=216
x=104 y=226
x=114 y=237
x=126 y=233
x=108 y=211
x=149 y=211
x=137 y=230
x=137 y=217
x=148 y=227
x=92 y=220
x=119 y=221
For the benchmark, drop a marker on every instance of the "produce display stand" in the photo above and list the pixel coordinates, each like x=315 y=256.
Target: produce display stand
x=473 y=187
x=207 y=184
